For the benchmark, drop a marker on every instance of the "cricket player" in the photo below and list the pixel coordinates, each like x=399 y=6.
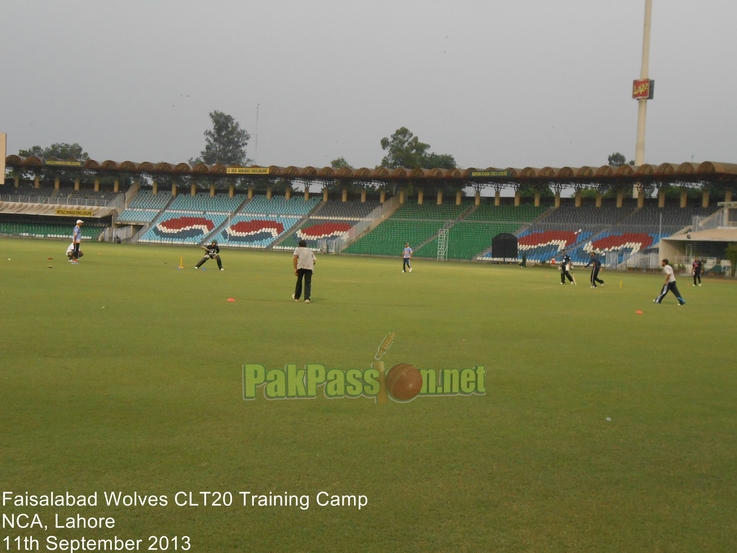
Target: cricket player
x=565 y=269
x=407 y=258
x=669 y=284
x=595 y=263
x=77 y=240
x=304 y=263
x=696 y=268
x=70 y=252
x=213 y=252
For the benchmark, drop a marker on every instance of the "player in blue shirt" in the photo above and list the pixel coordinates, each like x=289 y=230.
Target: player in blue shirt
x=406 y=258
x=77 y=240
x=595 y=263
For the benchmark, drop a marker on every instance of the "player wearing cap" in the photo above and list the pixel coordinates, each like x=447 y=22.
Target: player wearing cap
x=77 y=240
x=213 y=252
x=565 y=269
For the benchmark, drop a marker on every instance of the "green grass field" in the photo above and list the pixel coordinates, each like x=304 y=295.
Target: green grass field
x=601 y=430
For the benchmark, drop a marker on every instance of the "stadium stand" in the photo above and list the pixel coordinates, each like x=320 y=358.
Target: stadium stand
x=145 y=199
x=220 y=203
x=254 y=231
x=389 y=237
x=137 y=215
x=47 y=230
x=345 y=210
x=26 y=193
x=506 y=213
x=466 y=240
x=588 y=214
x=280 y=206
x=640 y=229
x=622 y=243
x=331 y=220
x=429 y=211
x=412 y=222
x=567 y=228
x=183 y=228
x=315 y=229
x=86 y=197
x=144 y=208
x=674 y=217
x=543 y=245
x=65 y=196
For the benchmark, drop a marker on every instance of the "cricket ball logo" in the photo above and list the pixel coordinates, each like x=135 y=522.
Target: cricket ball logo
x=402 y=383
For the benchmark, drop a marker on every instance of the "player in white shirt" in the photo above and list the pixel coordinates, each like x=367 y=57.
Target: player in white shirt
x=669 y=285
x=77 y=240
x=304 y=264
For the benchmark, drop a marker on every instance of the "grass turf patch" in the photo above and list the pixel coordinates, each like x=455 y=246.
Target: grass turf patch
x=145 y=395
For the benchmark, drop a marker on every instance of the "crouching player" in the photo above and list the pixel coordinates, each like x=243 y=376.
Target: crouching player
x=70 y=253
x=213 y=252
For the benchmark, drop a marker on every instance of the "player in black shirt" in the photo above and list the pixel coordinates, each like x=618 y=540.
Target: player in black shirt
x=565 y=268
x=696 y=268
x=213 y=252
x=595 y=262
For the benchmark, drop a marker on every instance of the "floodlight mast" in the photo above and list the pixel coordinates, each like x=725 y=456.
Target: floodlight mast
x=642 y=102
x=3 y=153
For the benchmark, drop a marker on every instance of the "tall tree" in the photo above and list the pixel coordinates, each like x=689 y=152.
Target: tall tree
x=439 y=161
x=617 y=160
x=340 y=163
x=225 y=143
x=404 y=149
x=60 y=150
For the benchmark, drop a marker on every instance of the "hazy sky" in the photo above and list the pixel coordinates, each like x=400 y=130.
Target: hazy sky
x=494 y=83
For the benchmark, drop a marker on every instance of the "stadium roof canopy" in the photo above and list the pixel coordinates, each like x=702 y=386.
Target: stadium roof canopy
x=666 y=174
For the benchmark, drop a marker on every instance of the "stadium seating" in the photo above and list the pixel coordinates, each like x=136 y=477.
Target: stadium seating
x=389 y=237
x=506 y=213
x=254 y=231
x=86 y=197
x=623 y=243
x=137 y=215
x=345 y=210
x=588 y=214
x=429 y=211
x=47 y=230
x=278 y=205
x=183 y=228
x=466 y=240
x=145 y=199
x=25 y=193
x=220 y=203
x=544 y=245
x=318 y=229
x=674 y=217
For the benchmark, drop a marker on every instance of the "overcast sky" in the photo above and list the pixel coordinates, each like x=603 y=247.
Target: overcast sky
x=504 y=83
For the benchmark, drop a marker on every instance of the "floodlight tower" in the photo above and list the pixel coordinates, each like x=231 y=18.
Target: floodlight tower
x=642 y=89
x=3 y=153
